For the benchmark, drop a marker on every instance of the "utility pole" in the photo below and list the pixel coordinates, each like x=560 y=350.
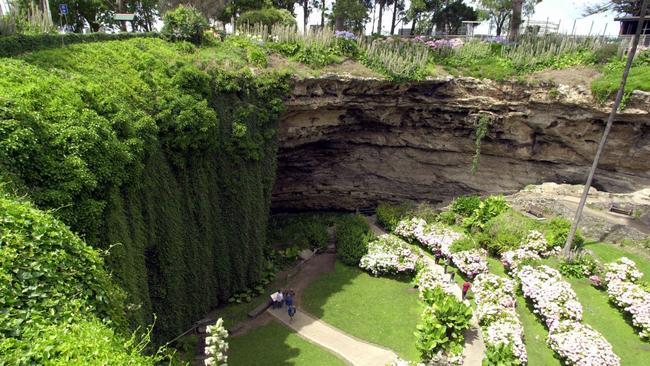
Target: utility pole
x=608 y=127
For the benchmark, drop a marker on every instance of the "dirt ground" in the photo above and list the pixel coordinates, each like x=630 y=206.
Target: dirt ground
x=575 y=76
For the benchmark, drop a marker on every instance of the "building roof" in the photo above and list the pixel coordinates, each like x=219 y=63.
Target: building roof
x=630 y=18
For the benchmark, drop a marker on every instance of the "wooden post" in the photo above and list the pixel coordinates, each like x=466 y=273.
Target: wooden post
x=608 y=127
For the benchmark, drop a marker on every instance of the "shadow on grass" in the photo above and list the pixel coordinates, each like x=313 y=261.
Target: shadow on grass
x=274 y=344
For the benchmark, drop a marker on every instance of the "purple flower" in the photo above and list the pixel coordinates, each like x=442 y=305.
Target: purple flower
x=345 y=34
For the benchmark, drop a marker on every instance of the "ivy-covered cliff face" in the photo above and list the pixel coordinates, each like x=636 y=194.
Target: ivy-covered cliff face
x=145 y=150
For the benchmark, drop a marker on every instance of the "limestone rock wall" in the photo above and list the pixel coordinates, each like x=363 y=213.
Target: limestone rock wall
x=349 y=143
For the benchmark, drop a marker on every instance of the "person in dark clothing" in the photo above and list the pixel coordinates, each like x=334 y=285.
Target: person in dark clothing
x=291 y=310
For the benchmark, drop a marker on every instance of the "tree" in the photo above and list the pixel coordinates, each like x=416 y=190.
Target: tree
x=285 y=4
x=500 y=11
x=382 y=4
x=642 y=11
x=211 y=9
x=515 y=20
x=350 y=15
x=631 y=7
x=82 y=12
x=306 y=8
x=451 y=17
x=398 y=5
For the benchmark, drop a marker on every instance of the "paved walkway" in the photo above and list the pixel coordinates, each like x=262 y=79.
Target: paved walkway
x=356 y=352
x=474 y=346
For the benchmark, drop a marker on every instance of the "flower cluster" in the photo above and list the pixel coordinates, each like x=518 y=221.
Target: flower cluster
x=556 y=302
x=623 y=290
x=580 y=345
x=389 y=254
x=439 y=44
x=345 y=34
x=216 y=345
x=552 y=297
x=534 y=247
x=433 y=236
x=496 y=313
x=471 y=262
x=429 y=279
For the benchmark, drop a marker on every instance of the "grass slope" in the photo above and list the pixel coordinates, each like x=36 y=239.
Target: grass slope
x=274 y=344
x=608 y=320
x=379 y=310
x=610 y=252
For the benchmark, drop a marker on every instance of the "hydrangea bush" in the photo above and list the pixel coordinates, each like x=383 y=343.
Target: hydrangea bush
x=216 y=345
x=497 y=317
x=556 y=302
x=427 y=279
x=580 y=345
x=433 y=236
x=552 y=297
x=534 y=247
x=471 y=262
x=621 y=278
x=389 y=254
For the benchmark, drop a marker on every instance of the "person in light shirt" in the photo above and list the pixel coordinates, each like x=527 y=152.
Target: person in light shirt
x=277 y=298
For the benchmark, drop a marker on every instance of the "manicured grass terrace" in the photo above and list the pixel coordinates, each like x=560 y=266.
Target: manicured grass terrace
x=379 y=310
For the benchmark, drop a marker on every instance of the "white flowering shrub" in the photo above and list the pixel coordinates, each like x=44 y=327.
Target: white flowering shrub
x=555 y=301
x=534 y=247
x=553 y=298
x=389 y=254
x=495 y=310
x=216 y=345
x=471 y=262
x=627 y=295
x=432 y=236
x=428 y=279
x=580 y=345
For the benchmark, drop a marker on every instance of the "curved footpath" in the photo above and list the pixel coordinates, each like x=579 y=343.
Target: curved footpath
x=474 y=346
x=355 y=351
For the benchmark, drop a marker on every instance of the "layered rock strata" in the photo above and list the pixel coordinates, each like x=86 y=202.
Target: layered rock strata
x=350 y=143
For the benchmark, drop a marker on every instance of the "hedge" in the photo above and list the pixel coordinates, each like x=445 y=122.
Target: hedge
x=21 y=43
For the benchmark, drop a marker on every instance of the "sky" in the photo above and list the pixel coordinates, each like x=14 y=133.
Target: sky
x=562 y=11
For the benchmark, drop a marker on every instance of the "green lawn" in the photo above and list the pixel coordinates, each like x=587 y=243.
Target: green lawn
x=610 y=252
x=274 y=344
x=380 y=310
x=608 y=320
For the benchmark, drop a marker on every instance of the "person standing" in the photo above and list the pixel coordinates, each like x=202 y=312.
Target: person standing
x=288 y=300
x=291 y=310
x=466 y=287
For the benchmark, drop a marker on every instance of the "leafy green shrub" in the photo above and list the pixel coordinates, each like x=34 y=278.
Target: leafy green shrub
x=466 y=243
x=389 y=215
x=557 y=231
x=580 y=265
x=447 y=218
x=82 y=342
x=352 y=237
x=606 y=53
x=347 y=47
x=501 y=355
x=43 y=267
x=185 y=23
x=443 y=323
x=317 y=55
x=267 y=17
x=465 y=205
x=303 y=231
x=489 y=208
x=507 y=230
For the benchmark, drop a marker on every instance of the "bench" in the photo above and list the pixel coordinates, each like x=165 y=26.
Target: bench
x=620 y=209
x=260 y=308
